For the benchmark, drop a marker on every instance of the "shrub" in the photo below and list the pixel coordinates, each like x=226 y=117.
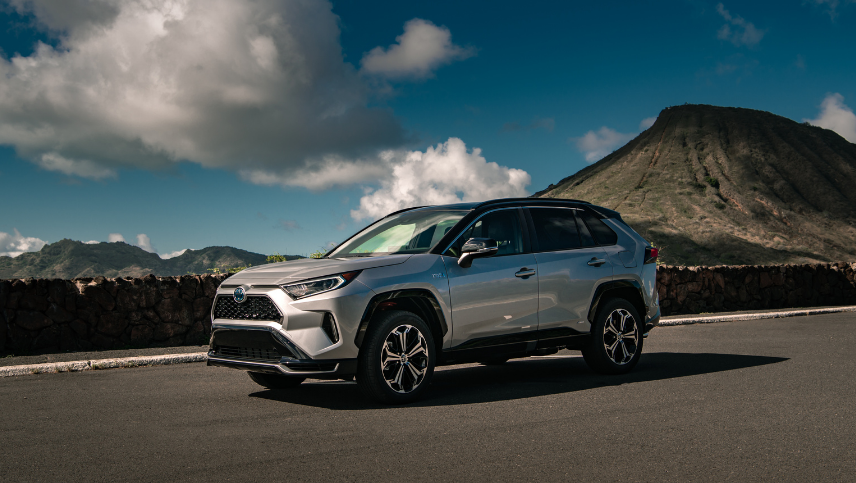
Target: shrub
x=712 y=181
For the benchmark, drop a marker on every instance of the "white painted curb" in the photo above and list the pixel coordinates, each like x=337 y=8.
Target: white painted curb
x=758 y=316
x=94 y=365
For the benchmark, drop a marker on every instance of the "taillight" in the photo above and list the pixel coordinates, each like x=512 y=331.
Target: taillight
x=651 y=254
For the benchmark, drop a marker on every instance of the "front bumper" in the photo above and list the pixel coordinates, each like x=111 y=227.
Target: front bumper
x=264 y=349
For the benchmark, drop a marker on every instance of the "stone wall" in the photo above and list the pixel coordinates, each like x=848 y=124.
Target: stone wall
x=100 y=313
x=692 y=290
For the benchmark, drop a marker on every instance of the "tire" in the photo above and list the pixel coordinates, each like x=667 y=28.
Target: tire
x=397 y=358
x=275 y=381
x=616 y=338
x=494 y=361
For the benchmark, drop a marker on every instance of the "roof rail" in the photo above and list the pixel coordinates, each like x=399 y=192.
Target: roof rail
x=402 y=211
x=511 y=200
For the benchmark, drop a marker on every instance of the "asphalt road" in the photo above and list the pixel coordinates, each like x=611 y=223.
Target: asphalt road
x=746 y=401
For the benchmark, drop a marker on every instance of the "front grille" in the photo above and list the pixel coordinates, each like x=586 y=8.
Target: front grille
x=247 y=353
x=256 y=307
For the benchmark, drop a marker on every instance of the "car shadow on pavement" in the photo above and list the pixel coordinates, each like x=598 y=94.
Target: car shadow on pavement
x=520 y=378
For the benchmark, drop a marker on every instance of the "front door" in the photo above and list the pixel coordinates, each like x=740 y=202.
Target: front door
x=494 y=301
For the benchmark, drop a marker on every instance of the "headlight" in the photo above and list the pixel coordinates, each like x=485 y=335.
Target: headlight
x=319 y=285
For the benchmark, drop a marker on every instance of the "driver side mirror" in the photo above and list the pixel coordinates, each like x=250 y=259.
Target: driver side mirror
x=477 y=248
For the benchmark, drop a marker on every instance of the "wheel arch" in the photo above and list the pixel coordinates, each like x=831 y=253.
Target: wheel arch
x=421 y=302
x=630 y=290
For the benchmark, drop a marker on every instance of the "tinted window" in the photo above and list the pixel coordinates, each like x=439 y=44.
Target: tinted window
x=585 y=235
x=602 y=233
x=555 y=228
x=502 y=225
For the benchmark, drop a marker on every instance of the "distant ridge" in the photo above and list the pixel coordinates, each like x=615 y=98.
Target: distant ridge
x=722 y=185
x=71 y=259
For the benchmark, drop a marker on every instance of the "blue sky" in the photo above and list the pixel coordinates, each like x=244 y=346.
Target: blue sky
x=285 y=126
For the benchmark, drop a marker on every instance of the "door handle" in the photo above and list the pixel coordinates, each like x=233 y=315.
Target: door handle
x=596 y=262
x=524 y=272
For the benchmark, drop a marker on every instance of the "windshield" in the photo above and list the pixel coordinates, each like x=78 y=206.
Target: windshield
x=409 y=232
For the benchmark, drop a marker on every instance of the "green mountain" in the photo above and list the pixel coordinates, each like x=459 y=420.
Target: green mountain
x=71 y=259
x=719 y=185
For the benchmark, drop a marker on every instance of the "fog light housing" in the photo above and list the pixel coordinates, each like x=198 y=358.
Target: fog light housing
x=329 y=327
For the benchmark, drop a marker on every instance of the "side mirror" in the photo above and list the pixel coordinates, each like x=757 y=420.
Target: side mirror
x=477 y=248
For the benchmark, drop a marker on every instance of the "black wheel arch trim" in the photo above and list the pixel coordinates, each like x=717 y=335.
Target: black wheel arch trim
x=419 y=301
x=603 y=291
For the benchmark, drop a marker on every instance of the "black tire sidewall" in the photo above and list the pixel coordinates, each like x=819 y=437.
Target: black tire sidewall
x=595 y=354
x=369 y=375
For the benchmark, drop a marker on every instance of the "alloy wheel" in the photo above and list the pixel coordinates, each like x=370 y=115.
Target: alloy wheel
x=404 y=359
x=620 y=336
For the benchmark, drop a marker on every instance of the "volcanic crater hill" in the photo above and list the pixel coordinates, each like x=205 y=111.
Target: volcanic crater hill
x=720 y=185
x=69 y=259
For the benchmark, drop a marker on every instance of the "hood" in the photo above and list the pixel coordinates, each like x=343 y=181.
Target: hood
x=296 y=270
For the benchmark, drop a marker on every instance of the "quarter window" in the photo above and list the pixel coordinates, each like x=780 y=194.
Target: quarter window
x=602 y=233
x=555 y=228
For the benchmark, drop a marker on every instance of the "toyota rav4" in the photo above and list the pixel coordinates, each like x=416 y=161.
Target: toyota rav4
x=428 y=286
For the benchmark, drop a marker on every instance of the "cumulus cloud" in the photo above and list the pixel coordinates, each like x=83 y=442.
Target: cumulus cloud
x=447 y=173
x=647 y=122
x=12 y=245
x=548 y=124
x=837 y=116
x=421 y=49
x=92 y=242
x=742 y=33
x=597 y=144
x=167 y=256
x=259 y=86
x=144 y=242
x=115 y=237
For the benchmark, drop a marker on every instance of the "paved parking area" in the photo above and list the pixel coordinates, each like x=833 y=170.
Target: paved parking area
x=746 y=401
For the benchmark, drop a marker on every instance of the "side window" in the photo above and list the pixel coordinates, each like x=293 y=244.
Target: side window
x=602 y=233
x=502 y=225
x=585 y=234
x=555 y=228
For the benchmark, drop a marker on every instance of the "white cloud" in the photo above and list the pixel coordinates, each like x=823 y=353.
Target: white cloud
x=144 y=242
x=324 y=174
x=115 y=237
x=832 y=6
x=744 y=33
x=256 y=86
x=422 y=48
x=837 y=116
x=16 y=244
x=167 y=256
x=92 y=242
x=597 y=144
x=447 y=173
x=647 y=122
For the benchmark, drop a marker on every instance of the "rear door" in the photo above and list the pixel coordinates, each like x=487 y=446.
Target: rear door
x=494 y=301
x=570 y=266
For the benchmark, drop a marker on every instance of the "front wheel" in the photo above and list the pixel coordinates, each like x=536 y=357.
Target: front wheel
x=396 y=360
x=616 y=339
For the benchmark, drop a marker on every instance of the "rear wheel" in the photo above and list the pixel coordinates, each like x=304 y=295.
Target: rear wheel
x=396 y=360
x=275 y=381
x=616 y=339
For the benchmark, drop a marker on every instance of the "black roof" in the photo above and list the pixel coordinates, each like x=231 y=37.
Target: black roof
x=472 y=205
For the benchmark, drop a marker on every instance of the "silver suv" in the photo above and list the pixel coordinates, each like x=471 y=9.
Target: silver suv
x=427 y=286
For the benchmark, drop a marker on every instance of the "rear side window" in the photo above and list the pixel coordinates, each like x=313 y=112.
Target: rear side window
x=602 y=233
x=555 y=228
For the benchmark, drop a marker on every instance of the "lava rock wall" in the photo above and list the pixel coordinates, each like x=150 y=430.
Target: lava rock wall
x=39 y=315
x=693 y=290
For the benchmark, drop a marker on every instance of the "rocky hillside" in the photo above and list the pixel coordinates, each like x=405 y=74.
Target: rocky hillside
x=70 y=259
x=719 y=185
